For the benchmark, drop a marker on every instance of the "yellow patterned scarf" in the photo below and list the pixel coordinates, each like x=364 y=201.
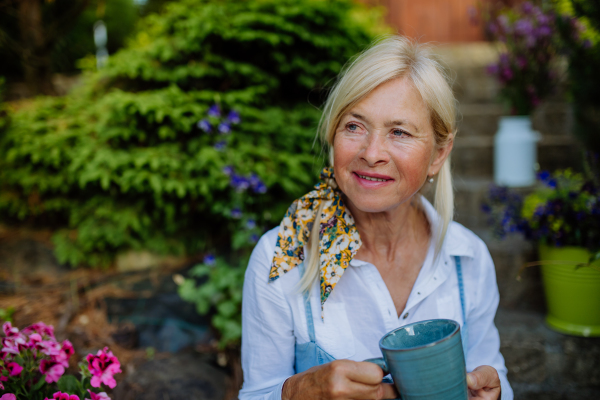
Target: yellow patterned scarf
x=338 y=237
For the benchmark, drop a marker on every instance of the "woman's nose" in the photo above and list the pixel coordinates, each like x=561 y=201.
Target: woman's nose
x=375 y=151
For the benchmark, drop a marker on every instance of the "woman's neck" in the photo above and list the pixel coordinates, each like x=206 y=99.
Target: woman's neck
x=385 y=234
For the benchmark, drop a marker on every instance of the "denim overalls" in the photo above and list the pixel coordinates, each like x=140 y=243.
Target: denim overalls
x=310 y=354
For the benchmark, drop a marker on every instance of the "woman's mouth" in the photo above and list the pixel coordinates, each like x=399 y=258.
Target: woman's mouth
x=372 y=180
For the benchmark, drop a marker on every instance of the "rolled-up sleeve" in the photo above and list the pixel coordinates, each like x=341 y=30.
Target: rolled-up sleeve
x=484 y=340
x=268 y=339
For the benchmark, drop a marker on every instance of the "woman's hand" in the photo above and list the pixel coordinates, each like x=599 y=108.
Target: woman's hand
x=483 y=383
x=339 y=379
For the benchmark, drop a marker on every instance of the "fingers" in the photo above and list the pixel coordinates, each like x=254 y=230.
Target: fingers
x=357 y=380
x=365 y=372
x=483 y=377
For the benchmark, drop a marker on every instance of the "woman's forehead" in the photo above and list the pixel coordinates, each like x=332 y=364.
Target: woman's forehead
x=394 y=103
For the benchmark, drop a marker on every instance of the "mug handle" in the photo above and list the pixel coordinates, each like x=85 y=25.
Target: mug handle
x=381 y=363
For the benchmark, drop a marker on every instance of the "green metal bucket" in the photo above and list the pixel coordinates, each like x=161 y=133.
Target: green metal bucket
x=572 y=295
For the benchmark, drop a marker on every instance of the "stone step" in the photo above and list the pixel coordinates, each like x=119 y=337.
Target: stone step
x=546 y=365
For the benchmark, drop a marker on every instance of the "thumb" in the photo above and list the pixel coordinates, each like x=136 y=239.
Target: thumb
x=483 y=377
x=472 y=381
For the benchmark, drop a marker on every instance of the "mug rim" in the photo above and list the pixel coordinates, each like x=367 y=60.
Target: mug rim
x=450 y=335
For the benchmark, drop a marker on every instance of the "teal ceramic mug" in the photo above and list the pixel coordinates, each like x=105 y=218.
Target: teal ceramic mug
x=426 y=360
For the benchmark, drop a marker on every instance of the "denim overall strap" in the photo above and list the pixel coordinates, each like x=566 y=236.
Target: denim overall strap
x=309 y=354
x=310 y=324
x=463 y=304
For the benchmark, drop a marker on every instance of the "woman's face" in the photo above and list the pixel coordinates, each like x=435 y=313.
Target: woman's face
x=384 y=148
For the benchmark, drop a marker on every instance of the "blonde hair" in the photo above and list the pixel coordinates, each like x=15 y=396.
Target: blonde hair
x=391 y=58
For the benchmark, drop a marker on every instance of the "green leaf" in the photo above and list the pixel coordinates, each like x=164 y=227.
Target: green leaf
x=68 y=384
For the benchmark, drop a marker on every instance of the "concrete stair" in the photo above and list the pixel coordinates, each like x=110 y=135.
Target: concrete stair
x=543 y=365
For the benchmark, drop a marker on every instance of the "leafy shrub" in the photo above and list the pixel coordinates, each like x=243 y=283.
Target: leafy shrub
x=122 y=163
x=579 y=27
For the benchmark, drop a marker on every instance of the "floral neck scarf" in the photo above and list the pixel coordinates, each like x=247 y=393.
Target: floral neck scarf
x=338 y=237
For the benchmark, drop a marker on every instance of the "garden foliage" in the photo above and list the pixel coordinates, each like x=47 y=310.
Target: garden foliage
x=579 y=26
x=563 y=210
x=122 y=163
x=136 y=157
x=527 y=37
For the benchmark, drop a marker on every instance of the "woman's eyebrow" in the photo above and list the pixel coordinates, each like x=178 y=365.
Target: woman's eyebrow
x=387 y=124
x=400 y=122
x=356 y=115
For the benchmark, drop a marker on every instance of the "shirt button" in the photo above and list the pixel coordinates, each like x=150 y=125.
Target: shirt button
x=405 y=316
x=418 y=293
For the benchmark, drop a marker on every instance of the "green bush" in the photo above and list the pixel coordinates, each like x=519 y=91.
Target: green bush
x=121 y=163
x=124 y=163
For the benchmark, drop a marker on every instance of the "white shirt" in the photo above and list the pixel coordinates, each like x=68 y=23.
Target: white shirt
x=360 y=310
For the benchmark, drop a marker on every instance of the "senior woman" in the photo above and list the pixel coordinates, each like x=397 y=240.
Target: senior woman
x=365 y=252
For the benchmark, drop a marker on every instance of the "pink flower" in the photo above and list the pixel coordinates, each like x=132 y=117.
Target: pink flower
x=103 y=366
x=13 y=368
x=9 y=330
x=97 y=396
x=52 y=369
x=50 y=347
x=66 y=350
x=8 y=396
x=63 y=396
x=34 y=339
x=41 y=328
x=13 y=344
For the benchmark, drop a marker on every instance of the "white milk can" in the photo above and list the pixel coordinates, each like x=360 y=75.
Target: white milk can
x=515 y=152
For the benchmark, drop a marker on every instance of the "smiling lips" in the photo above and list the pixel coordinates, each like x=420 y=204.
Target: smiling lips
x=372 y=180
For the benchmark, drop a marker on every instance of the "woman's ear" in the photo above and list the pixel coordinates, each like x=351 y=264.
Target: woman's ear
x=440 y=155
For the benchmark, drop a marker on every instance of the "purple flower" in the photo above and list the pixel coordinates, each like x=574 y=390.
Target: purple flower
x=209 y=259
x=506 y=75
x=544 y=19
x=236 y=213
x=521 y=62
x=250 y=224
x=523 y=27
x=205 y=125
x=239 y=182
x=228 y=170
x=492 y=69
x=254 y=179
x=543 y=176
x=260 y=188
x=234 y=117
x=254 y=238
x=224 y=128
x=504 y=59
x=543 y=31
x=586 y=44
x=220 y=145
x=527 y=7
x=493 y=28
x=257 y=184
x=214 y=111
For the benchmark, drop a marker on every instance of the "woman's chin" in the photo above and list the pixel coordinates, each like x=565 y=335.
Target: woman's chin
x=372 y=206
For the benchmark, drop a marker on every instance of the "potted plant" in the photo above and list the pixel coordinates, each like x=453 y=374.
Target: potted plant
x=527 y=44
x=562 y=215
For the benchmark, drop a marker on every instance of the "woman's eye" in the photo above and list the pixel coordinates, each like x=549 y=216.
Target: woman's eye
x=398 y=133
x=352 y=127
